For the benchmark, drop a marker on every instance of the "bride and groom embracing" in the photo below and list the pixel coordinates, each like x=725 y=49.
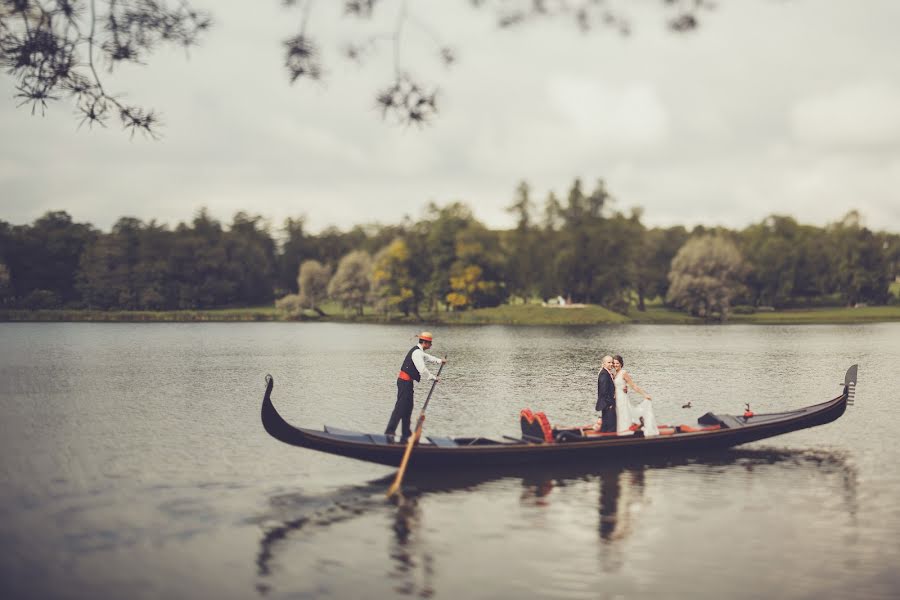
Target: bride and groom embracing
x=617 y=413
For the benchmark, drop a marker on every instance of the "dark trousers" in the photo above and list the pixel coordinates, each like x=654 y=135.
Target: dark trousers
x=402 y=409
x=608 y=415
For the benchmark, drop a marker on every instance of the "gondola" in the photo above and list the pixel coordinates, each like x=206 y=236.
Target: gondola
x=541 y=443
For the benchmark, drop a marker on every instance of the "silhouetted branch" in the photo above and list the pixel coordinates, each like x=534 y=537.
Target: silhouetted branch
x=404 y=99
x=43 y=42
x=407 y=99
x=682 y=15
x=52 y=47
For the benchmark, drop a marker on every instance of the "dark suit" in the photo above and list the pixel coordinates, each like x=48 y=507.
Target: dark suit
x=606 y=400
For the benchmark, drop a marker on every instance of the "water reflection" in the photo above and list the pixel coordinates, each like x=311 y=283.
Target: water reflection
x=407 y=553
x=620 y=499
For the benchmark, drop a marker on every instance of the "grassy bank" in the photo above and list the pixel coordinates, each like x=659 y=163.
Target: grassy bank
x=865 y=314
x=534 y=314
x=661 y=315
x=502 y=315
x=518 y=314
x=262 y=313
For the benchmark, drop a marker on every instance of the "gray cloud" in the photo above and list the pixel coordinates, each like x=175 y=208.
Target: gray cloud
x=861 y=114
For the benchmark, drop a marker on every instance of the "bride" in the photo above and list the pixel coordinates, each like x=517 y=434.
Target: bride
x=626 y=412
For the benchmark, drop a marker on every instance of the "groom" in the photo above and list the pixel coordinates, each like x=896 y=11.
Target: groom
x=606 y=396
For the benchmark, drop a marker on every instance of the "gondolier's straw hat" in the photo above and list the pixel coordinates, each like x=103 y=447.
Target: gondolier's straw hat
x=425 y=336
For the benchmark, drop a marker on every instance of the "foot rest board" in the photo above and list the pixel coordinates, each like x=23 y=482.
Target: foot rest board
x=443 y=442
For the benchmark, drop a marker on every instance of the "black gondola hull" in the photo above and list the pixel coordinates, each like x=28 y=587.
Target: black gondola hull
x=477 y=452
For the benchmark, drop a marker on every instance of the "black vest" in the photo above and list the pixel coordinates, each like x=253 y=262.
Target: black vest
x=409 y=367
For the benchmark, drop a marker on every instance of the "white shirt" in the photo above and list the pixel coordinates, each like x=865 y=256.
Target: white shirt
x=419 y=356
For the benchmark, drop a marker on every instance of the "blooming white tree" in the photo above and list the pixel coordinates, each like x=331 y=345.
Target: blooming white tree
x=351 y=282
x=313 y=281
x=705 y=277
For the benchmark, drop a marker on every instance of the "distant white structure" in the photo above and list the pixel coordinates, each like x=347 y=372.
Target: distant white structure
x=560 y=302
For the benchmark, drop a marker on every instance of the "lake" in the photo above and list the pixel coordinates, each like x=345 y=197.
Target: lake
x=134 y=465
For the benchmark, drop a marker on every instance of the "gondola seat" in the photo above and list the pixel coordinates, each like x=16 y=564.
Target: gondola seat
x=535 y=426
x=574 y=434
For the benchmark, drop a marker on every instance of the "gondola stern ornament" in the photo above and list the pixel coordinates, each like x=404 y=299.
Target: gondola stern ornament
x=850 y=384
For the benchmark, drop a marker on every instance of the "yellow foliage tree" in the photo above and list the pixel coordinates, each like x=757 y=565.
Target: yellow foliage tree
x=465 y=283
x=391 y=280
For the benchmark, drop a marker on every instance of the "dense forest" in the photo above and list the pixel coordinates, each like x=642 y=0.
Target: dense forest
x=577 y=247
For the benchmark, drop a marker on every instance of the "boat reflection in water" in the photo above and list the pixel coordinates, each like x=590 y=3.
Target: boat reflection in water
x=412 y=567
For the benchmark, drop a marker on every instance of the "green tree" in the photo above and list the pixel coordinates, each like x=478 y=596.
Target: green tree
x=771 y=249
x=43 y=260
x=332 y=244
x=4 y=284
x=131 y=267
x=443 y=226
x=203 y=264
x=296 y=248
x=598 y=200
x=195 y=258
x=653 y=259
x=616 y=252
x=812 y=268
x=372 y=237
x=891 y=244
x=553 y=213
x=106 y=271
x=572 y=264
x=705 y=277
x=860 y=263
x=521 y=247
x=351 y=283
x=251 y=261
x=575 y=210
x=594 y=255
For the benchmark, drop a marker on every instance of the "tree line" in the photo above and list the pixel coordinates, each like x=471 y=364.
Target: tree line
x=576 y=246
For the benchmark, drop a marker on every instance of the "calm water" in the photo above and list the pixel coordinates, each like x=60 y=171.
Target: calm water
x=134 y=465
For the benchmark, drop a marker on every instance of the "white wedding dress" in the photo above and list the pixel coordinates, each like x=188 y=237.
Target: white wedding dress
x=627 y=412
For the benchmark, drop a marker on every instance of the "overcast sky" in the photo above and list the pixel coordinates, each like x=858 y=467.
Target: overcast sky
x=772 y=106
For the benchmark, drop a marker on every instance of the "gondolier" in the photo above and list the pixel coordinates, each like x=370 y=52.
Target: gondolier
x=412 y=370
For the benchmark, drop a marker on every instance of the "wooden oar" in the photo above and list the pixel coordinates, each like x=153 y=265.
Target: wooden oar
x=414 y=438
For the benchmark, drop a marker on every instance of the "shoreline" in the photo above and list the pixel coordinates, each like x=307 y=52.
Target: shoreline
x=525 y=315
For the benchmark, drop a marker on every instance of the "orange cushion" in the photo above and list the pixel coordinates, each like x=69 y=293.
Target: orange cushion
x=689 y=429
